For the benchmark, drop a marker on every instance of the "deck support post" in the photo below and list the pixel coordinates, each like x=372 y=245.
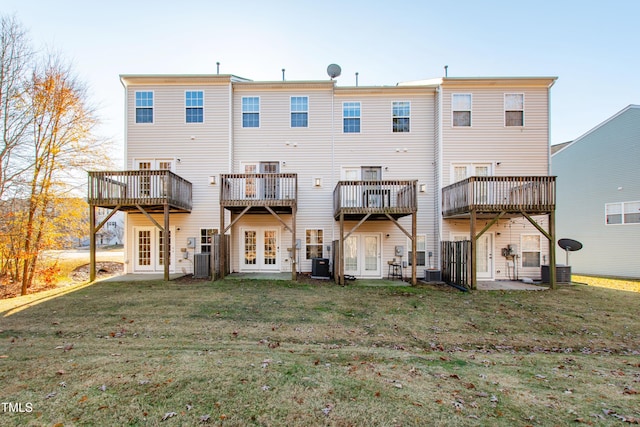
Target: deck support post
x=221 y=245
x=341 y=248
x=92 y=243
x=165 y=243
x=473 y=239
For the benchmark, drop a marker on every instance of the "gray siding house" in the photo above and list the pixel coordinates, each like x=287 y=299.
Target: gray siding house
x=598 y=196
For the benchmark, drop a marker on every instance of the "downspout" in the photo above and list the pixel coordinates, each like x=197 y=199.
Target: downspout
x=230 y=165
x=333 y=183
x=125 y=167
x=437 y=172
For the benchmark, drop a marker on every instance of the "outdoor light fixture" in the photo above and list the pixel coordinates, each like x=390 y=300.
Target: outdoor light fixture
x=423 y=188
x=212 y=180
x=317 y=182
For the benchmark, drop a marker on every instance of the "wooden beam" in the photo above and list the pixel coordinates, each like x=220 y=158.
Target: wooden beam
x=536 y=225
x=357 y=225
x=552 y=250
x=341 y=266
x=150 y=217
x=490 y=224
x=221 y=246
x=165 y=243
x=278 y=218
x=104 y=221
x=294 y=264
x=414 y=257
x=92 y=243
x=473 y=250
x=398 y=225
x=233 y=222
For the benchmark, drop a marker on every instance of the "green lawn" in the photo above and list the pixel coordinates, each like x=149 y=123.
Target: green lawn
x=238 y=353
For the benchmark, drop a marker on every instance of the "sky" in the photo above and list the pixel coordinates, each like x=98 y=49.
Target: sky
x=592 y=47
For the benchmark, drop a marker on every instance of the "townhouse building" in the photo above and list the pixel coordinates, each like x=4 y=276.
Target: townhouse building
x=369 y=178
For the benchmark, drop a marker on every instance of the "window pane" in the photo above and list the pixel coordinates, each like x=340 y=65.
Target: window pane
x=531 y=259
x=144 y=115
x=632 y=213
x=461 y=101
x=514 y=118
x=530 y=243
x=351 y=126
x=250 y=120
x=614 y=213
x=299 y=120
x=195 y=115
x=401 y=124
x=462 y=118
x=514 y=101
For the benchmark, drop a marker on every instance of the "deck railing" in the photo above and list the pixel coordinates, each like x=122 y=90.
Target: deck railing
x=246 y=189
x=145 y=187
x=531 y=194
x=393 y=197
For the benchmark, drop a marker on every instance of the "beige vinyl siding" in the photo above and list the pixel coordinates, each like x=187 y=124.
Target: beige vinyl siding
x=519 y=150
x=201 y=147
x=511 y=151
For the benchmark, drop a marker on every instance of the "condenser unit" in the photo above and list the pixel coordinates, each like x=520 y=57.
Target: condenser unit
x=202 y=266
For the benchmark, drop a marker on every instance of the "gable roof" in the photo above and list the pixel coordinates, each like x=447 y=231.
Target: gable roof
x=564 y=146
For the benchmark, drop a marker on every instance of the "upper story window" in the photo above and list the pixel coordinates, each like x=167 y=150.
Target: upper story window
x=401 y=112
x=251 y=112
x=144 y=107
x=461 y=109
x=299 y=112
x=514 y=109
x=194 y=106
x=351 y=117
x=622 y=213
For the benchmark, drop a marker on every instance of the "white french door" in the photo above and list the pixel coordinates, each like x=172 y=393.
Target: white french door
x=484 y=255
x=149 y=249
x=362 y=255
x=259 y=249
x=148 y=187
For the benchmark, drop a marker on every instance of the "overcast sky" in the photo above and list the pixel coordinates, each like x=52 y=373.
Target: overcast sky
x=593 y=47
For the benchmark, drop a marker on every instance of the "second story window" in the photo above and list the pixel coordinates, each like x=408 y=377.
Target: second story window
x=194 y=106
x=299 y=111
x=514 y=109
x=251 y=112
x=144 y=107
x=461 y=109
x=351 y=117
x=401 y=115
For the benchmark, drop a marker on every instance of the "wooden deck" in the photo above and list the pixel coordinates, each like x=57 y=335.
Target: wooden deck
x=150 y=189
x=278 y=191
x=490 y=195
x=376 y=199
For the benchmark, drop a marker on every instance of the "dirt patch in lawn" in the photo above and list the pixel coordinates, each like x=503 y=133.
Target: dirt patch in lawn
x=104 y=269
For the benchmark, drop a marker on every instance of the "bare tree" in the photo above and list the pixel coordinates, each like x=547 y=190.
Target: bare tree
x=15 y=57
x=47 y=135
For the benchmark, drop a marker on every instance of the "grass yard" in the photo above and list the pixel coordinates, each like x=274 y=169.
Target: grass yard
x=239 y=353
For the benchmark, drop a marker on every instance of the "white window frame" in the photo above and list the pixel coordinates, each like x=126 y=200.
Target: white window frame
x=400 y=105
x=513 y=110
x=293 y=111
x=527 y=250
x=153 y=108
x=186 y=107
x=307 y=244
x=418 y=250
x=624 y=208
x=213 y=232
x=359 y=117
x=454 y=110
x=471 y=168
x=243 y=112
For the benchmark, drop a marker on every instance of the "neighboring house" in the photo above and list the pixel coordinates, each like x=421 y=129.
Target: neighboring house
x=113 y=231
x=296 y=170
x=599 y=196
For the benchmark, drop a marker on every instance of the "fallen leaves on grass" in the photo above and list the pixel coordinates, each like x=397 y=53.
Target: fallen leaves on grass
x=168 y=415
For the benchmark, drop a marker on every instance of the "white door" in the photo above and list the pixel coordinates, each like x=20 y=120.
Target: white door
x=362 y=255
x=147 y=186
x=484 y=255
x=149 y=249
x=259 y=249
x=143 y=251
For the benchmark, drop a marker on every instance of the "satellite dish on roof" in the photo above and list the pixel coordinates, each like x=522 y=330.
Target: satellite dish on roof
x=569 y=245
x=334 y=70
